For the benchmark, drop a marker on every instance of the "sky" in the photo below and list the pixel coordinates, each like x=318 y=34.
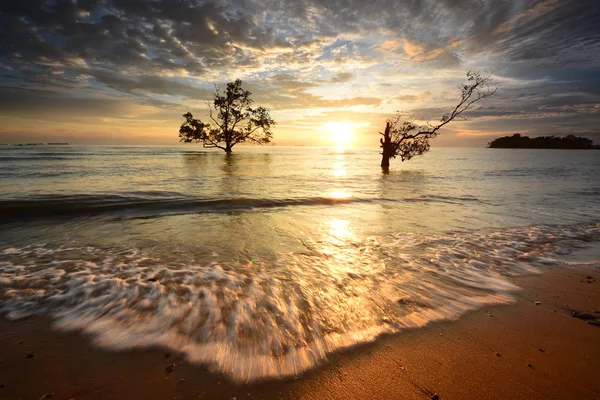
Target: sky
x=124 y=71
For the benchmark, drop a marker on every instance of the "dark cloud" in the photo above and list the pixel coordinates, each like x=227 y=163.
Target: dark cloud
x=551 y=34
x=168 y=35
x=125 y=34
x=151 y=84
x=167 y=52
x=342 y=77
x=48 y=104
x=406 y=98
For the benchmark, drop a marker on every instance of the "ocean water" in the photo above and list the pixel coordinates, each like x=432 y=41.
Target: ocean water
x=262 y=263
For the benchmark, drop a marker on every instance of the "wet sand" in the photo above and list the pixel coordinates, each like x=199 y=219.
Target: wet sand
x=527 y=350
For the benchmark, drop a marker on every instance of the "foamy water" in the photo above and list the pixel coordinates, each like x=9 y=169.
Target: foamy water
x=264 y=268
x=255 y=321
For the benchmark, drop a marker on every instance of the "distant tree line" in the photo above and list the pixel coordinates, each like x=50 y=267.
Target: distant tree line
x=517 y=141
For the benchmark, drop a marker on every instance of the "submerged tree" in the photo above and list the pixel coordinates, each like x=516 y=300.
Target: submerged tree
x=407 y=139
x=234 y=121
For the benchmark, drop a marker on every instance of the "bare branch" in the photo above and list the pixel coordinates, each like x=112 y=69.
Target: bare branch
x=406 y=139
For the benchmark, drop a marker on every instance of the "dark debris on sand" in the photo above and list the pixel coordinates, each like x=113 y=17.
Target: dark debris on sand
x=590 y=318
x=583 y=315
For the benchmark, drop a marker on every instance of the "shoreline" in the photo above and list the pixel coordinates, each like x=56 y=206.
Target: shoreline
x=519 y=351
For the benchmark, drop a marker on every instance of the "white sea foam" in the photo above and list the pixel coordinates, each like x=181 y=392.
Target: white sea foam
x=10 y=250
x=282 y=318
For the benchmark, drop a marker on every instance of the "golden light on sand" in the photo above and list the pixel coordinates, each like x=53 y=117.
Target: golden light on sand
x=340 y=133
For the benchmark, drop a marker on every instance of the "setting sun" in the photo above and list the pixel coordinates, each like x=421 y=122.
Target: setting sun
x=340 y=133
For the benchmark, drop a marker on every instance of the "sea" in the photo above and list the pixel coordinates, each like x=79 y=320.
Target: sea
x=262 y=263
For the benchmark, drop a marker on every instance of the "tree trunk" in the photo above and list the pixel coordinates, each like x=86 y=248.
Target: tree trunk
x=228 y=144
x=385 y=162
x=387 y=153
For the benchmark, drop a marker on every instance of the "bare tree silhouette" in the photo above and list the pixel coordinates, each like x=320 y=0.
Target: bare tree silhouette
x=407 y=139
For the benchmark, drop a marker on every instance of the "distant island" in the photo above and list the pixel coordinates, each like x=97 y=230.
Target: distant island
x=517 y=141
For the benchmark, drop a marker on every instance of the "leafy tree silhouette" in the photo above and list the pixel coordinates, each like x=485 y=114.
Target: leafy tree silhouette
x=234 y=121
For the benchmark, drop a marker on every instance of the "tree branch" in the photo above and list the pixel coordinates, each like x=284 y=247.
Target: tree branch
x=408 y=140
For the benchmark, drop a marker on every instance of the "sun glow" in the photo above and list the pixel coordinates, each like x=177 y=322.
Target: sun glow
x=339 y=194
x=340 y=133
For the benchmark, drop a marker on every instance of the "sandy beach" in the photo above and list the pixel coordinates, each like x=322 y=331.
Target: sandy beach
x=534 y=349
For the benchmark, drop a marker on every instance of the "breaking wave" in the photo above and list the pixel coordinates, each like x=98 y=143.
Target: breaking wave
x=275 y=319
x=168 y=203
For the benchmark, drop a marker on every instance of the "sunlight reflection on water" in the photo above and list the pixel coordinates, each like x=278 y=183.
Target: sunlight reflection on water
x=262 y=263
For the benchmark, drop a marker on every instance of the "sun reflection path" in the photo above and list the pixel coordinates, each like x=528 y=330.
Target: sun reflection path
x=339 y=228
x=339 y=168
x=336 y=243
x=339 y=194
x=349 y=258
x=339 y=171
